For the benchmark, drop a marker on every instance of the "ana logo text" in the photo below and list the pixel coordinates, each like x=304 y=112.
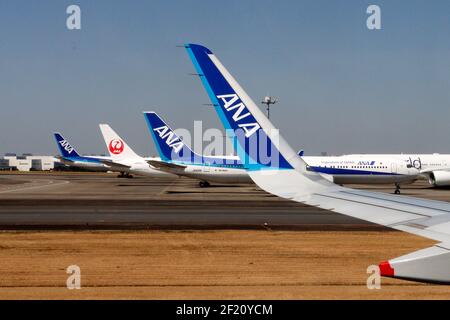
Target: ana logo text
x=366 y=163
x=66 y=146
x=170 y=138
x=116 y=146
x=232 y=102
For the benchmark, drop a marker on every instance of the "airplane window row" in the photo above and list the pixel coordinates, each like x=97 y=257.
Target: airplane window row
x=358 y=167
x=226 y=165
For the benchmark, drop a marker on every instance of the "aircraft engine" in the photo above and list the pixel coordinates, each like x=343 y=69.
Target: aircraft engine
x=439 y=178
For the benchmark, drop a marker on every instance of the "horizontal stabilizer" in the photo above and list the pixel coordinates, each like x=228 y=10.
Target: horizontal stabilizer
x=114 y=164
x=165 y=165
x=64 y=160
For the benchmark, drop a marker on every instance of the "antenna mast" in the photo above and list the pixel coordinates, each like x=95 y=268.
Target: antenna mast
x=267 y=101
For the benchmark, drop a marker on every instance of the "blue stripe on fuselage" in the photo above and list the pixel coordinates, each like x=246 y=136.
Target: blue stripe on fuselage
x=82 y=159
x=234 y=165
x=339 y=171
x=209 y=161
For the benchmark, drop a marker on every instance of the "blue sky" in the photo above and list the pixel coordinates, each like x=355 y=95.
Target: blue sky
x=342 y=88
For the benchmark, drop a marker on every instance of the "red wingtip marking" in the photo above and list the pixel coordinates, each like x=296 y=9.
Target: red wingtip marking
x=386 y=269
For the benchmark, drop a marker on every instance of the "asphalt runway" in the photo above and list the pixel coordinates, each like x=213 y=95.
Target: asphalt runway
x=103 y=201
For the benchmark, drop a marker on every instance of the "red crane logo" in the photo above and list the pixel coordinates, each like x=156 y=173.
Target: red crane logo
x=116 y=146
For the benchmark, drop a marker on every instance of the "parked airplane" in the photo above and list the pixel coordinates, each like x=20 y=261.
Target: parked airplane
x=178 y=158
x=121 y=155
x=71 y=157
x=364 y=169
x=433 y=167
x=288 y=178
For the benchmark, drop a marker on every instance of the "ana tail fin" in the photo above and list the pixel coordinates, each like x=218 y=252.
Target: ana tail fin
x=170 y=146
x=257 y=141
x=65 y=148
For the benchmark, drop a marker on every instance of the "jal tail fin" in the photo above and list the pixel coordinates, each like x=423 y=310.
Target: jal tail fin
x=117 y=147
x=257 y=142
x=65 y=148
x=169 y=145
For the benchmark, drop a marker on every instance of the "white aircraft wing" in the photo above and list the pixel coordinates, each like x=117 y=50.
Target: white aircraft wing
x=428 y=218
x=286 y=176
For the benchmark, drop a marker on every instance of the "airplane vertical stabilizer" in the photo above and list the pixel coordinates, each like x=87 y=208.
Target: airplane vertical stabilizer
x=117 y=147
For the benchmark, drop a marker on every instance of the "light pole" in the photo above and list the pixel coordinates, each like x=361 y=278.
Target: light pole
x=268 y=101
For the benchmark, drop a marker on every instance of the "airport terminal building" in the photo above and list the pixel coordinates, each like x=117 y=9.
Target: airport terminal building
x=27 y=162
